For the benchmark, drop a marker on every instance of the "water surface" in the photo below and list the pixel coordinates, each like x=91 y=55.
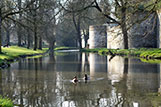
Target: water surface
x=46 y=81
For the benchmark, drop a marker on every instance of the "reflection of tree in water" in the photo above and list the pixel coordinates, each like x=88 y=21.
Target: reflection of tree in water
x=79 y=94
x=79 y=68
x=33 y=82
x=129 y=97
x=131 y=91
x=43 y=88
x=85 y=63
x=87 y=94
x=29 y=87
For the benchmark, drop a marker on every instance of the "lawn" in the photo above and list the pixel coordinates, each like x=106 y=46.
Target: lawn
x=15 y=51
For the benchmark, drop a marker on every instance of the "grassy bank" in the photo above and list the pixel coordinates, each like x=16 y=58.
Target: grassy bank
x=15 y=51
x=146 y=53
x=64 y=48
x=5 y=102
x=10 y=53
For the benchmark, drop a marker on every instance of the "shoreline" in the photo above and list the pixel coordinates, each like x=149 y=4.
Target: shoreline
x=14 y=53
x=146 y=54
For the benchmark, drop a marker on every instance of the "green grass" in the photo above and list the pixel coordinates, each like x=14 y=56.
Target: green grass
x=11 y=53
x=146 y=53
x=155 y=99
x=64 y=48
x=5 y=102
x=15 y=51
x=153 y=61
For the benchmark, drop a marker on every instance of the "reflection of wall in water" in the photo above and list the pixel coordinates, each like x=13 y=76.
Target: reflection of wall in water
x=115 y=68
x=97 y=64
x=142 y=76
x=85 y=64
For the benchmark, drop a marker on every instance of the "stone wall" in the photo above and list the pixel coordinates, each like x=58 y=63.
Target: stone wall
x=114 y=38
x=143 y=32
x=140 y=35
x=97 y=37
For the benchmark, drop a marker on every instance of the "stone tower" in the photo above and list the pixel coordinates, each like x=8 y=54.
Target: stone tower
x=97 y=37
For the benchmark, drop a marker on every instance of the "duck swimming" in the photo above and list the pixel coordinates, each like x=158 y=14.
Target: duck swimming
x=85 y=77
x=75 y=79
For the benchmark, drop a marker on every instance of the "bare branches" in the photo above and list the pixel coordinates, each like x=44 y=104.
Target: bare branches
x=77 y=10
x=93 y=4
x=117 y=3
x=23 y=25
x=107 y=16
x=15 y=11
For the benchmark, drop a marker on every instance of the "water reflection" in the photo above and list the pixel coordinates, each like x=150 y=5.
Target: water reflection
x=97 y=64
x=46 y=81
x=144 y=76
x=116 y=68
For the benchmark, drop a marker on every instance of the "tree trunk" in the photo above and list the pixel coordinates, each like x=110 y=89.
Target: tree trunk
x=35 y=40
x=28 y=39
x=77 y=27
x=0 y=29
x=124 y=28
x=35 y=26
x=19 y=35
x=79 y=32
x=8 y=37
x=40 y=43
x=51 y=47
x=19 y=27
x=80 y=40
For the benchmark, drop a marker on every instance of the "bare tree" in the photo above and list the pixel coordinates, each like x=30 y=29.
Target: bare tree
x=9 y=10
x=81 y=16
x=118 y=12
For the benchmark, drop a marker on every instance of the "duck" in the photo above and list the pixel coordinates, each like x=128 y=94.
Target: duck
x=75 y=79
x=85 y=77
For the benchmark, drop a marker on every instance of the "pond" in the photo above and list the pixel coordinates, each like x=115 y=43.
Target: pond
x=46 y=81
